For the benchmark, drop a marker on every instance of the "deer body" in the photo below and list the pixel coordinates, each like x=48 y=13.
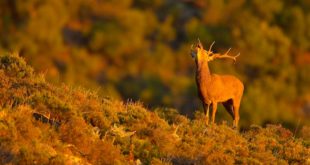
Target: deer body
x=214 y=88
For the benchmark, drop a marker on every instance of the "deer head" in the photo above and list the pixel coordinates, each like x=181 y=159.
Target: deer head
x=200 y=54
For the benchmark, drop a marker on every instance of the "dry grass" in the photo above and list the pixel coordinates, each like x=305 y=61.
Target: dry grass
x=86 y=134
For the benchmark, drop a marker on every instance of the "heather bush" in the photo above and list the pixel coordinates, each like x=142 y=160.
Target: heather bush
x=101 y=130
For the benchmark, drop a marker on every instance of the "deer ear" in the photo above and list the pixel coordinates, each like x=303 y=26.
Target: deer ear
x=199 y=44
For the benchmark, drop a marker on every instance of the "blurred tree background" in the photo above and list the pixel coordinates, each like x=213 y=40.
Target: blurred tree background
x=139 y=49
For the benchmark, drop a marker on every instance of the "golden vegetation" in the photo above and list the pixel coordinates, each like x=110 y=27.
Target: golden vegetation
x=94 y=129
x=138 y=49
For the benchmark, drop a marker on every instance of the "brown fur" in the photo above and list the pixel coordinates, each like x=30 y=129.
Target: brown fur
x=213 y=88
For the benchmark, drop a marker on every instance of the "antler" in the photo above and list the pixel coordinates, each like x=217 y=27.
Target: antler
x=210 y=48
x=217 y=55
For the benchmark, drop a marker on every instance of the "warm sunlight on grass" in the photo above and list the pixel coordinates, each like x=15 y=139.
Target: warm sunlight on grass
x=114 y=82
x=100 y=130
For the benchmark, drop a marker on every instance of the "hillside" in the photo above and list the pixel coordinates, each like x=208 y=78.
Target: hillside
x=45 y=124
x=139 y=50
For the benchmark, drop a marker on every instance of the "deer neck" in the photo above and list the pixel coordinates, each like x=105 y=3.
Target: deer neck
x=203 y=75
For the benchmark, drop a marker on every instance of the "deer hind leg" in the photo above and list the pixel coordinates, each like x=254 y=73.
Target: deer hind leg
x=236 y=105
x=214 y=108
x=229 y=107
x=206 y=108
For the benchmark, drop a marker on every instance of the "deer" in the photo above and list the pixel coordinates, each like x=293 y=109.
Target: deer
x=214 y=88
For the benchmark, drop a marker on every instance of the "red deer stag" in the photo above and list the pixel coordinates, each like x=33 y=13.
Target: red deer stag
x=213 y=88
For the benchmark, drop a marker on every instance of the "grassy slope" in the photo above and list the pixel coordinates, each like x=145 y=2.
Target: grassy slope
x=94 y=130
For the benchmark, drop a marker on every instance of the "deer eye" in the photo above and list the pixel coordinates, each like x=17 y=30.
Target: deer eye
x=193 y=54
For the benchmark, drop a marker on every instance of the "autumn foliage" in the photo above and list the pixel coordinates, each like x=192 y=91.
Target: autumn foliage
x=139 y=50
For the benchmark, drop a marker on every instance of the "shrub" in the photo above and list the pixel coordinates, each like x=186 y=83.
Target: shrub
x=106 y=131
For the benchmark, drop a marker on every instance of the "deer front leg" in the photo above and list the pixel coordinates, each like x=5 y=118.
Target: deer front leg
x=206 y=110
x=214 y=111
